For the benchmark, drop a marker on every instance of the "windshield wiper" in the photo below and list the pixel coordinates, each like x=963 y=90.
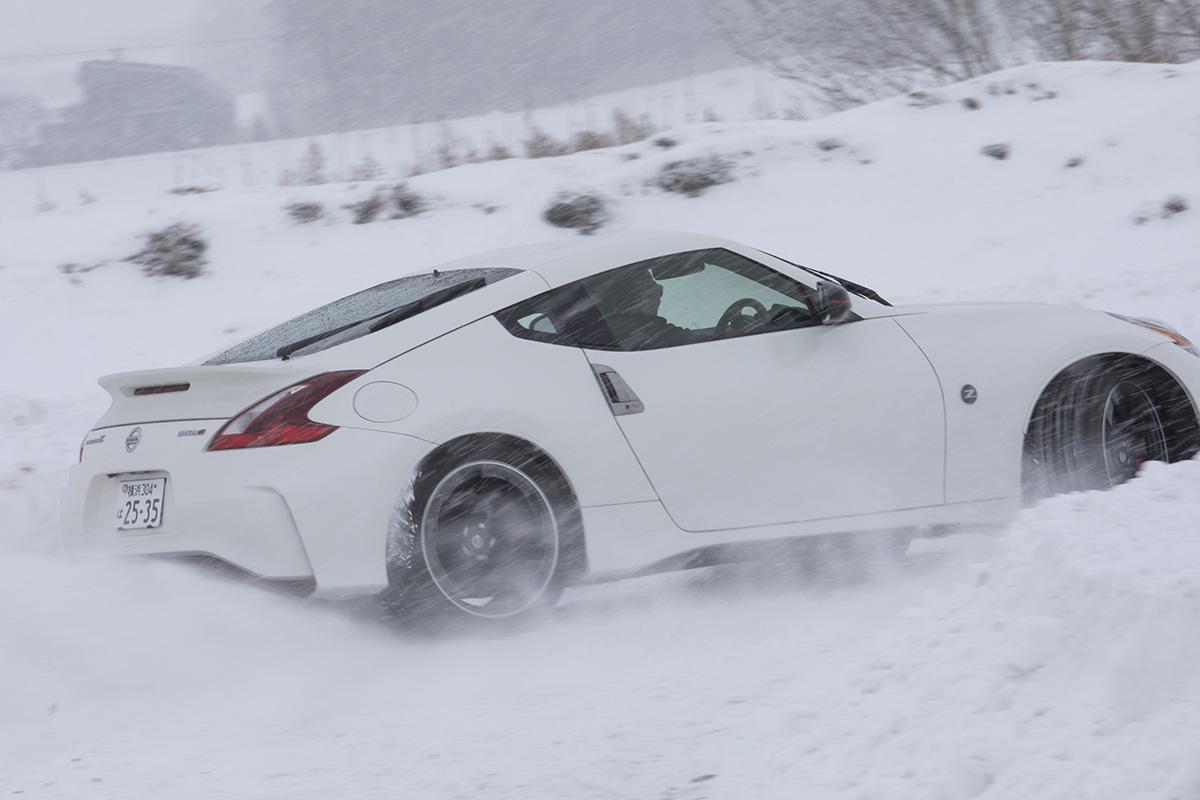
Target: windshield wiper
x=388 y=317
x=426 y=303
x=850 y=286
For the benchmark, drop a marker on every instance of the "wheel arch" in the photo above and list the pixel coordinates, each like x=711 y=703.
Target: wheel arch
x=527 y=456
x=1168 y=390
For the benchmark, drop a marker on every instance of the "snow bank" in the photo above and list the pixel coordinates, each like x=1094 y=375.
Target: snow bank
x=1064 y=667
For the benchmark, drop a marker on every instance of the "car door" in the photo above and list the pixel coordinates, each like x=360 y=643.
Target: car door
x=744 y=412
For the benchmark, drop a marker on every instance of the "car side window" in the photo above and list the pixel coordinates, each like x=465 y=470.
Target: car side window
x=564 y=316
x=701 y=296
x=684 y=298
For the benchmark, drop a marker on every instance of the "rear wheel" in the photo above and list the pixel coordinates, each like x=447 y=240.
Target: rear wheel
x=486 y=539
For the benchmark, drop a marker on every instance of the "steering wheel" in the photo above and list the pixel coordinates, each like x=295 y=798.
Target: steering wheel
x=735 y=320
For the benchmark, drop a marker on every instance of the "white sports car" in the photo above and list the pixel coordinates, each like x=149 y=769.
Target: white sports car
x=473 y=439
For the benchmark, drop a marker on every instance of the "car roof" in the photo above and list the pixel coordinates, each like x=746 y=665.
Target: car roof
x=565 y=260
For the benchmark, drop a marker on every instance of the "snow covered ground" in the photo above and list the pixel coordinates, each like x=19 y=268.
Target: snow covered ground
x=1055 y=662
x=736 y=94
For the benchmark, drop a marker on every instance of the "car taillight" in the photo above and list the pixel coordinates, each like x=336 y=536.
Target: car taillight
x=282 y=418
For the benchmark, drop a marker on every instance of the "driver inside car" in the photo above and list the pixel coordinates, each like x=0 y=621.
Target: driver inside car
x=637 y=325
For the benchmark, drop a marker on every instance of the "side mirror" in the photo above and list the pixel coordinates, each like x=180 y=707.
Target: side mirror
x=830 y=303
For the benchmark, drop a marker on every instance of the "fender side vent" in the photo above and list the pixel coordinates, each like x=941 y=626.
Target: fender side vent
x=621 y=399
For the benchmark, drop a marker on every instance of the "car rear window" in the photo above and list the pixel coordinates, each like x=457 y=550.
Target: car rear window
x=362 y=306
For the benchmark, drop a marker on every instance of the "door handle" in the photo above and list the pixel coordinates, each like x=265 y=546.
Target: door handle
x=621 y=399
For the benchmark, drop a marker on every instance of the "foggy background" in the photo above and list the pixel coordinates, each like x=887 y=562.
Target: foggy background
x=298 y=67
x=86 y=82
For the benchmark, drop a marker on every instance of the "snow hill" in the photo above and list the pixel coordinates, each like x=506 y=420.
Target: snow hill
x=1057 y=661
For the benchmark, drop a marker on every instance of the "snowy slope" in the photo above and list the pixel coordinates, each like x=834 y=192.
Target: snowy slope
x=1054 y=663
x=735 y=94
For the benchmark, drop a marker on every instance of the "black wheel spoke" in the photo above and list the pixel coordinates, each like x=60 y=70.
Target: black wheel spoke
x=490 y=539
x=1131 y=432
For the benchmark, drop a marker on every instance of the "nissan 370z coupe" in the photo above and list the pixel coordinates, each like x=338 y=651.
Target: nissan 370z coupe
x=472 y=440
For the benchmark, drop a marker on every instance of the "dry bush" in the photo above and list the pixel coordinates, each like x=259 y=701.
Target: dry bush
x=590 y=140
x=1000 y=152
x=496 y=152
x=694 y=176
x=191 y=189
x=177 y=251
x=1173 y=205
x=405 y=202
x=585 y=211
x=309 y=171
x=369 y=169
x=402 y=200
x=367 y=209
x=540 y=144
x=303 y=213
x=627 y=130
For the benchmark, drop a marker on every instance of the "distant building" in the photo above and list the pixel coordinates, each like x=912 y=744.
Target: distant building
x=130 y=108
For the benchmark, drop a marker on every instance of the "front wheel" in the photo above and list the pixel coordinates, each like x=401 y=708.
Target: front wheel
x=1098 y=424
x=485 y=541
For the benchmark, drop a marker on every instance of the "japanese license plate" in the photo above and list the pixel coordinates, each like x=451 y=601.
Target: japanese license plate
x=140 y=503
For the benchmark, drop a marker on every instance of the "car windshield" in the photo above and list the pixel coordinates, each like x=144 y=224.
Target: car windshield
x=351 y=316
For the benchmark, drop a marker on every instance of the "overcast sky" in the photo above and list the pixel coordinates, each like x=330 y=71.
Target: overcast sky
x=620 y=42
x=38 y=26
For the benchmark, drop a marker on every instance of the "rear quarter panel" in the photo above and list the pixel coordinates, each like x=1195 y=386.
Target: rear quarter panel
x=1010 y=355
x=482 y=379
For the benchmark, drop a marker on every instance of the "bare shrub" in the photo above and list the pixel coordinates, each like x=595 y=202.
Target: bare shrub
x=302 y=213
x=405 y=202
x=1075 y=161
x=1000 y=152
x=191 y=189
x=369 y=169
x=1114 y=30
x=628 y=130
x=451 y=149
x=971 y=104
x=367 y=209
x=309 y=171
x=497 y=152
x=584 y=211
x=922 y=99
x=829 y=144
x=590 y=140
x=845 y=52
x=540 y=144
x=177 y=251
x=1175 y=204
x=665 y=142
x=73 y=270
x=694 y=176
x=402 y=201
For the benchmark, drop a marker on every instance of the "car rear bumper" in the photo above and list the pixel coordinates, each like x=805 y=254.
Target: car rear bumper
x=316 y=512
